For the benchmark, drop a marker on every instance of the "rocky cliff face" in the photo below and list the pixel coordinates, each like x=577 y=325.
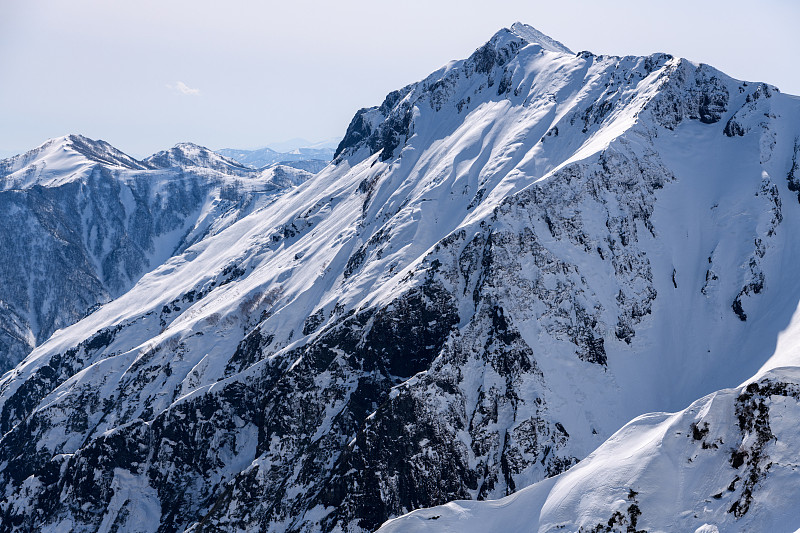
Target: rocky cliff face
x=507 y=262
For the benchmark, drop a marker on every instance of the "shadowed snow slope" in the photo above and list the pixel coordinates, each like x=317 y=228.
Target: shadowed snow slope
x=726 y=463
x=504 y=264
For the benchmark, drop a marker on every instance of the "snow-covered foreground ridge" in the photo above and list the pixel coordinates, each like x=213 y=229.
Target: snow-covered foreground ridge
x=504 y=264
x=727 y=463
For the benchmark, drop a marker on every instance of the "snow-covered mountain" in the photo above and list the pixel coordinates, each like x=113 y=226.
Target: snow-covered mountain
x=312 y=159
x=505 y=263
x=726 y=463
x=82 y=222
x=186 y=155
x=290 y=145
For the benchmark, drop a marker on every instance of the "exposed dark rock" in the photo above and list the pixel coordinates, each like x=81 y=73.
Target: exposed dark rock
x=793 y=178
x=313 y=322
x=751 y=458
x=733 y=128
x=621 y=522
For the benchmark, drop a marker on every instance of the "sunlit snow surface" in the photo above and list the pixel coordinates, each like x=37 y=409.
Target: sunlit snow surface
x=619 y=215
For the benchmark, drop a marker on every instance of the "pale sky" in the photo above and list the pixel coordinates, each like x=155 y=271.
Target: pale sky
x=144 y=75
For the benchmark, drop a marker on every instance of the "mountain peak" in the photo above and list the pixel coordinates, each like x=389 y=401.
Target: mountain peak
x=189 y=154
x=66 y=155
x=99 y=151
x=534 y=36
x=383 y=128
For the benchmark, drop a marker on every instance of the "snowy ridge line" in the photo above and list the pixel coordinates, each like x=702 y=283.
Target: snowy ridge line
x=107 y=219
x=428 y=320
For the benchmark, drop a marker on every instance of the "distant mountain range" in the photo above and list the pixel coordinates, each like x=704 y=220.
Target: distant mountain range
x=298 y=152
x=536 y=291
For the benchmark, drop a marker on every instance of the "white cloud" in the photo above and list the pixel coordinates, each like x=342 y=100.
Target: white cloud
x=181 y=88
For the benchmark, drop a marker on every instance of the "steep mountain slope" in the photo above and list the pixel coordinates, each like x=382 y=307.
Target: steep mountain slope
x=506 y=262
x=726 y=463
x=82 y=222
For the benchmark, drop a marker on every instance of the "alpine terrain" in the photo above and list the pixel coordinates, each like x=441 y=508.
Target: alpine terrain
x=82 y=222
x=504 y=268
